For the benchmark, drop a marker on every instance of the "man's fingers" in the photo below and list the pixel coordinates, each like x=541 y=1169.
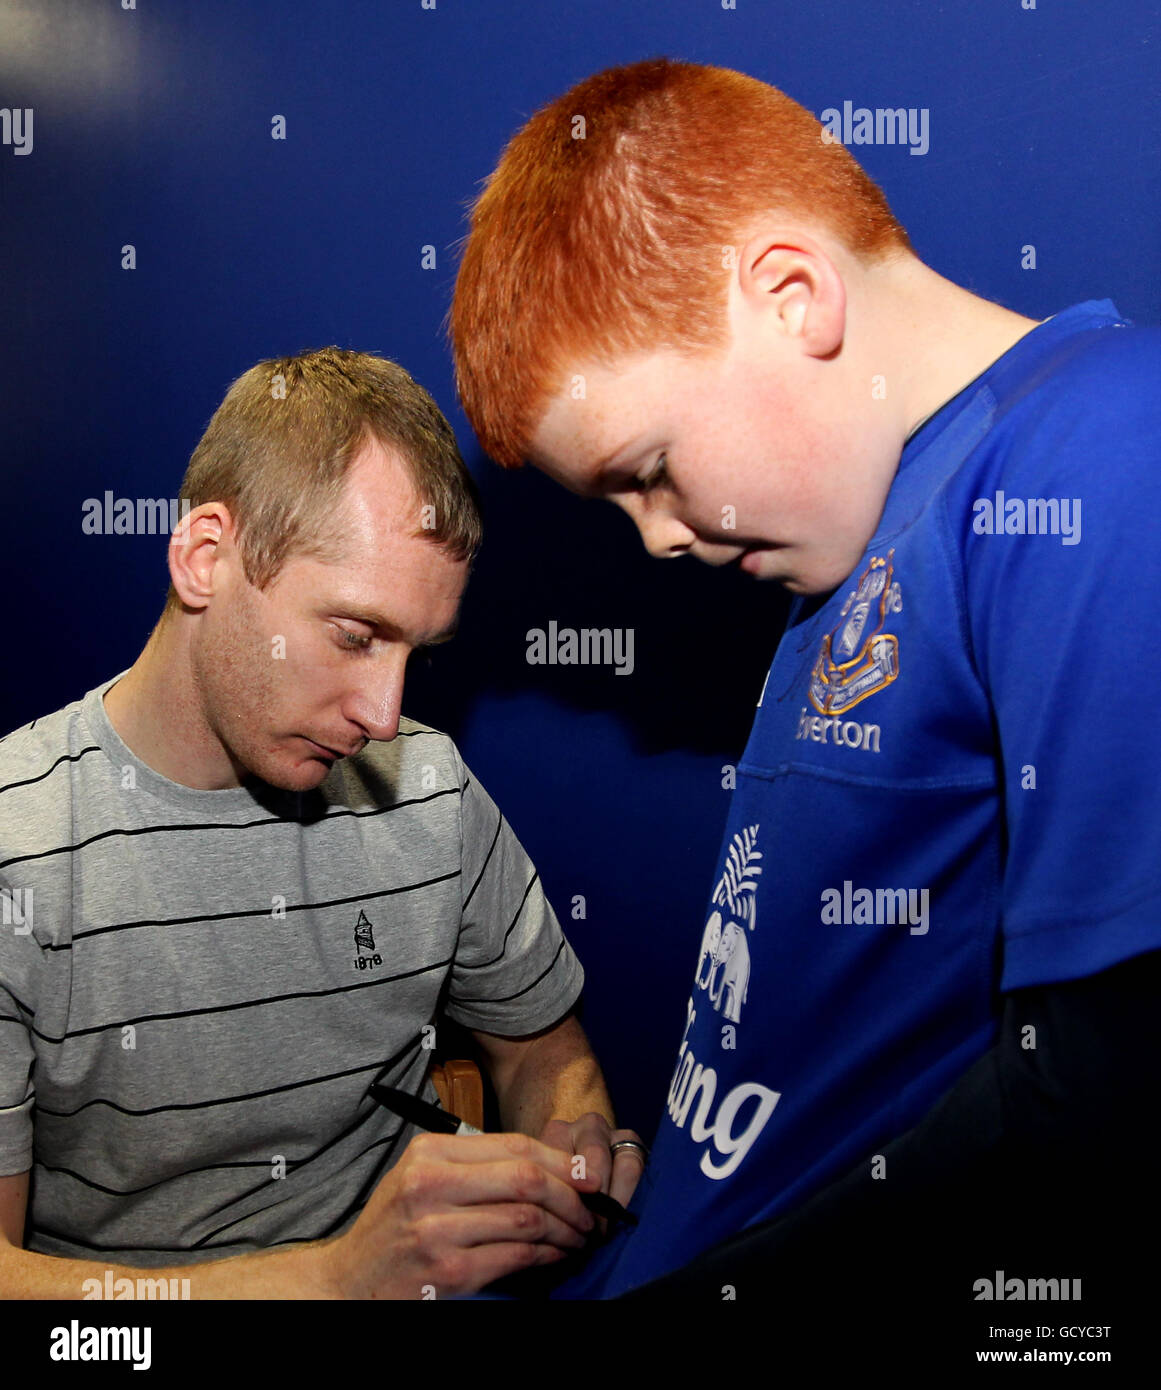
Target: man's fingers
x=523 y=1222
x=628 y=1166
x=485 y=1148
x=558 y=1135
x=590 y=1141
x=442 y=1178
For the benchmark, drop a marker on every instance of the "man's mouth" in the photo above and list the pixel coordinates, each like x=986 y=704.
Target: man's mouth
x=323 y=749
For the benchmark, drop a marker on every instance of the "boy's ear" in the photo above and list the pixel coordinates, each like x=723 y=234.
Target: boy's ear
x=787 y=278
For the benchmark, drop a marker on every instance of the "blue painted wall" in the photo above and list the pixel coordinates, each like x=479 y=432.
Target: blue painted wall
x=152 y=127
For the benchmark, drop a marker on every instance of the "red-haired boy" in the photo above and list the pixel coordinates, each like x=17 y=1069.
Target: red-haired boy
x=917 y=1007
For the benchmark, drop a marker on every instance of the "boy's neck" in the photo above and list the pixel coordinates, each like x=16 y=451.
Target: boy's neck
x=941 y=336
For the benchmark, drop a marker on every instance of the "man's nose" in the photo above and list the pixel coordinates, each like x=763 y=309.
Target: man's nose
x=377 y=700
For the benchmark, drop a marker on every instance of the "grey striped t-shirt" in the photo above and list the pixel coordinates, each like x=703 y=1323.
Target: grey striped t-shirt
x=198 y=987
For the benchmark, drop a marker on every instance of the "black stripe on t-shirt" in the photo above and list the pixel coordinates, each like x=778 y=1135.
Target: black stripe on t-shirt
x=352 y=1208
x=40 y=776
x=483 y=965
x=96 y=748
x=487 y=858
x=195 y=826
x=390 y=1140
x=247 y=912
x=504 y=998
x=292 y=1164
x=16 y=999
x=242 y=1004
x=203 y=1104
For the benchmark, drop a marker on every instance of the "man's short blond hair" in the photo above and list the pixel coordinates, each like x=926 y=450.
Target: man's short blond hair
x=278 y=449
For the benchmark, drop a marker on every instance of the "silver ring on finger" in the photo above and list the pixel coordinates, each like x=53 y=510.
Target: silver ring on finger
x=630 y=1144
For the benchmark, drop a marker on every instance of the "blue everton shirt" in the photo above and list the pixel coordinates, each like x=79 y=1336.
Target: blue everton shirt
x=950 y=790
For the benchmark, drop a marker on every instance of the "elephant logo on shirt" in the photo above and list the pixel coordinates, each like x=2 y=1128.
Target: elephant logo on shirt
x=723 y=963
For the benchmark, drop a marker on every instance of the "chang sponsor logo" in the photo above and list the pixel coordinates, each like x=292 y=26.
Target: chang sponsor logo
x=740 y=1116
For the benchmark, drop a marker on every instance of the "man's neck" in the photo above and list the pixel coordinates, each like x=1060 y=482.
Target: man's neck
x=154 y=710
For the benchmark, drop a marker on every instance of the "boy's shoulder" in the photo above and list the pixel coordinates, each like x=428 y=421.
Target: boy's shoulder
x=1107 y=369
x=1082 y=412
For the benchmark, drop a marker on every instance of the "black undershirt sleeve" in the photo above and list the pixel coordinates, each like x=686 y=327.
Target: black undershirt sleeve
x=1041 y=1160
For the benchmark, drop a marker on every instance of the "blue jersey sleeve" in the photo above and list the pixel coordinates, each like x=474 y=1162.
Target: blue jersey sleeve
x=1063 y=635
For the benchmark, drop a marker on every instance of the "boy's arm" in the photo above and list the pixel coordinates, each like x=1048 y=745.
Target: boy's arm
x=1026 y=1142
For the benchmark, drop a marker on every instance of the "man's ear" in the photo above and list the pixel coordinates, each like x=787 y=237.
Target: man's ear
x=199 y=541
x=788 y=278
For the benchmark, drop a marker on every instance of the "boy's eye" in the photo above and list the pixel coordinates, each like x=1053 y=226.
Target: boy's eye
x=652 y=478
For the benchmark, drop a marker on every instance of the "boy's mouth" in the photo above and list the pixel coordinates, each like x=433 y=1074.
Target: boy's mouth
x=749 y=560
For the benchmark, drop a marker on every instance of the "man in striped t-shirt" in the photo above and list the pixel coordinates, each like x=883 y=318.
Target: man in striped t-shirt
x=243 y=888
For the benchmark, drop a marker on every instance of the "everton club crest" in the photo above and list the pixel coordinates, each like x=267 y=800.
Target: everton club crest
x=857 y=658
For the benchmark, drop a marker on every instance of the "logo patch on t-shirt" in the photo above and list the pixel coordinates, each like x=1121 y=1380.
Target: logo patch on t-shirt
x=725 y=954
x=856 y=659
x=365 y=941
x=726 y=1118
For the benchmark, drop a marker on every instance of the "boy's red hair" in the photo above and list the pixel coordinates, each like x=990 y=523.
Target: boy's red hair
x=602 y=230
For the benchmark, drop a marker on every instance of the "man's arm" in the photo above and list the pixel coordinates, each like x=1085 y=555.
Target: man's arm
x=545 y=1076
x=550 y=1084
x=455 y=1213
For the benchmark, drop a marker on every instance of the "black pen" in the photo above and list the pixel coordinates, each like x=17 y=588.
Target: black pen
x=430 y=1117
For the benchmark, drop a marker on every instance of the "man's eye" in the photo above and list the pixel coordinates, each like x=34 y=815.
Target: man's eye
x=353 y=641
x=651 y=480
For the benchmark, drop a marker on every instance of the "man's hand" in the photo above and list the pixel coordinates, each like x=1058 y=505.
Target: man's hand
x=457 y=1212
x=591 y=1137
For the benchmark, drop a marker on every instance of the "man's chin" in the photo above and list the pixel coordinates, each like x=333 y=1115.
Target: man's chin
x=292 y=776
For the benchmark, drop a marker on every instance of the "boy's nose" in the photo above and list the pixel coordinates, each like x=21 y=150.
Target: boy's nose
x=664 y=537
